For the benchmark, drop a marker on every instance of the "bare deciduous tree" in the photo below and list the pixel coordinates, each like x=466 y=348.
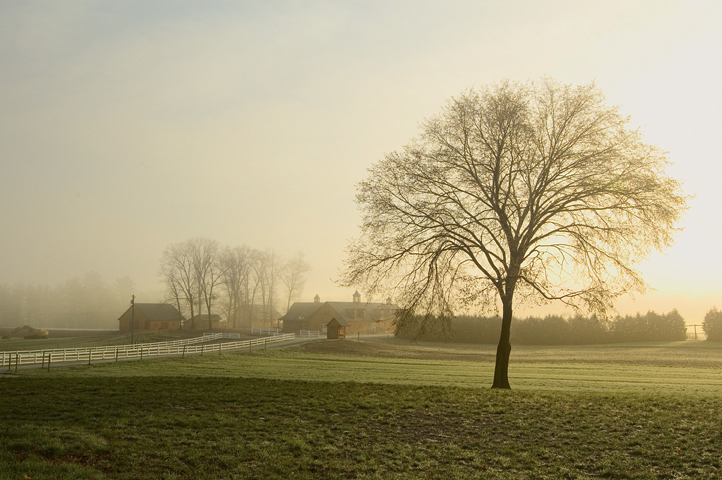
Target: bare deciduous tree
x=293 y=277
x=237 y=266
x=268 y=268
x=191 y=272
x=178 y=274
x=207 y=271
x=533 y=191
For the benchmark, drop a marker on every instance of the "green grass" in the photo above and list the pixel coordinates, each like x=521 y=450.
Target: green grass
x=296 y=412
x=663 y=369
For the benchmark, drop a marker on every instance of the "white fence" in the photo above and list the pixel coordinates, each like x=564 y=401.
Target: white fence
x=264 y=331
x=70 y=352
x=309 y=333
x=221 y=335
x=116 y=352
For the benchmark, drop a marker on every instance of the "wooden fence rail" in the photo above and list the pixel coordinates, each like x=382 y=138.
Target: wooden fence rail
x=116 y=352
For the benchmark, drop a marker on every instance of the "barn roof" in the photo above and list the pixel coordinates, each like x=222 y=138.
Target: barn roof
x=340 y=321
x=159 y=311
x=301 y=309
x=374 y=310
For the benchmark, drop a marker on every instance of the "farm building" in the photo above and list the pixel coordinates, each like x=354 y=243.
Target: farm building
x=200 y=322
x=357 y=316
x=152 y=316
x=255 y=316
x=336 y=329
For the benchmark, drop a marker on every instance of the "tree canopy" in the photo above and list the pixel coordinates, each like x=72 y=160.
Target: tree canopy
x=537 y=191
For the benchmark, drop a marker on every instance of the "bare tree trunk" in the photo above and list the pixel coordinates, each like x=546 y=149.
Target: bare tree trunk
x=200 y=301
x=234 y=309
x=503 y=350
x=180 y=315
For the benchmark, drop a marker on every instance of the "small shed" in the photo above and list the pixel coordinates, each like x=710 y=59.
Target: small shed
x=336 y=328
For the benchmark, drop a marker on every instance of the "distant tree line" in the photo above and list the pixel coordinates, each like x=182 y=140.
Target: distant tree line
x=557 y=330
x=87 y=302
x=201 y=277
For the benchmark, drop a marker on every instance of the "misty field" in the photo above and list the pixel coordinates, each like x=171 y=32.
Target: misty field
x=372 y=409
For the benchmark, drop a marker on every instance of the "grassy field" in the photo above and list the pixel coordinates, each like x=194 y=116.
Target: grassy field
x=372 y=409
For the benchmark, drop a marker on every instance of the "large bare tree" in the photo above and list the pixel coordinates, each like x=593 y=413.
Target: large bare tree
x=191 y=271
x=237 y=266
x=293 y=277
x=207 y=270
x=536 y=191
x=178 y=274
x=268 y=271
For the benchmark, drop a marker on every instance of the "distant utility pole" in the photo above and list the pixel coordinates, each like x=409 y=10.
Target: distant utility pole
x=132 y=320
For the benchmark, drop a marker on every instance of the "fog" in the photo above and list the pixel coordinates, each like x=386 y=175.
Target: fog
x=126 y=127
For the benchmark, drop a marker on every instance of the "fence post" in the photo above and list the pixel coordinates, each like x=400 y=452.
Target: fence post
x=264 y=343
x=203 y=348
x=50 y=357
x=116 y=354
x=141 y=354
x=90 y=355
x=17 y=361
x=42 y=365
x=220 y=348
x=184 y=352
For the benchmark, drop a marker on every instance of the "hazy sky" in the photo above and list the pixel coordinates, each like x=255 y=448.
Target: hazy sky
x=128 y=126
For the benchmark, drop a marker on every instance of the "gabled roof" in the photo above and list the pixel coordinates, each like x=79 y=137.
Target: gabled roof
x=373 y=309
x=344 y=310
x=340 y=321
x=301 y=309
x=159 y=312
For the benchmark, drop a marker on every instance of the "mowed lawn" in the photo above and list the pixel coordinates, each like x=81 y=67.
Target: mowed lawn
x=372 y=409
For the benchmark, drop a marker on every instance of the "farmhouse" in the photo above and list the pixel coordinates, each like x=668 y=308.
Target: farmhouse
x=355 y=316
x=152 y=316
